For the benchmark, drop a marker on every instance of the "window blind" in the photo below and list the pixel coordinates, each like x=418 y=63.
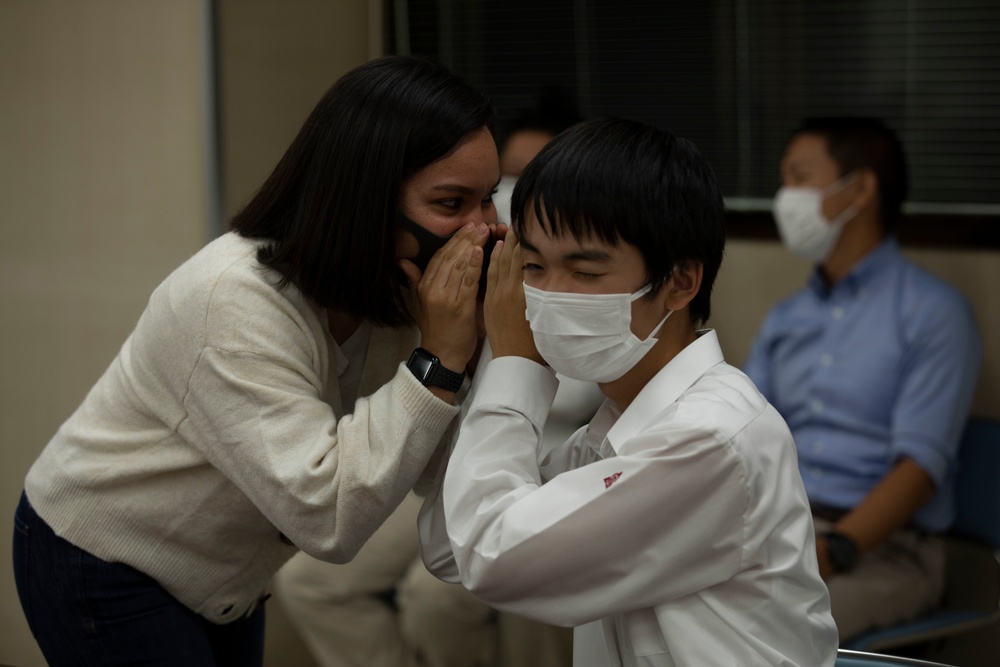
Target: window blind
x=737 y=76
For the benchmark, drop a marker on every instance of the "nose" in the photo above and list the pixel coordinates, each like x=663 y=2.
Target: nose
x=490 y=213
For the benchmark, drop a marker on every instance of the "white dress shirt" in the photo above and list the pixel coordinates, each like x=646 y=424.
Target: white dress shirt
x=675 y=533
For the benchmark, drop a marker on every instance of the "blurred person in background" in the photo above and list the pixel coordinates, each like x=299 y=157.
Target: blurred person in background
x=873 y=364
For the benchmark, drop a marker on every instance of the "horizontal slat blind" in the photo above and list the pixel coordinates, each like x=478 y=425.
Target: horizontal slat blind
x=736 y=76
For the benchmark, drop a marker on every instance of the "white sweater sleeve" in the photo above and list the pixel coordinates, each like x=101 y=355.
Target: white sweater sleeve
x=326 y=484
x=255 y=407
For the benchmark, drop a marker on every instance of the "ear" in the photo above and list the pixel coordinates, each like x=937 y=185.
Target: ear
x=866 y=191
x=683 y=285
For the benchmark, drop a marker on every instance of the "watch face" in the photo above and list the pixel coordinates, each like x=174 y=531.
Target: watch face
x=428 y=370
x=421 y=366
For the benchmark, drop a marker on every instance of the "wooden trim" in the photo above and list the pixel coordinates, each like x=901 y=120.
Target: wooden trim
x=967 y=232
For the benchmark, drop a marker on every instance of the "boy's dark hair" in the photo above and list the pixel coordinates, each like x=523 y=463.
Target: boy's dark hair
x=617 y=179
x=329 y=208
x=858 y=143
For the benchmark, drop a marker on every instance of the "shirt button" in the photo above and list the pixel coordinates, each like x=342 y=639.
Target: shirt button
x=826 y=360
x=816 y=472
x=816 y=405
x=817 y=447
x=837 y=313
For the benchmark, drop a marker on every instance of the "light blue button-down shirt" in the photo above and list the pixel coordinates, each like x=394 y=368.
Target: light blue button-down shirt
x=880 y=367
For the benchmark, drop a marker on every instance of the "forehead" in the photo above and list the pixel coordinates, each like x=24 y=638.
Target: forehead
x=474 y=156
x=565 y=242
x=808 y=150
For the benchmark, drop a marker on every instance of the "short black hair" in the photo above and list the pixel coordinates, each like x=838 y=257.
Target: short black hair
x=613 y=179
x=330 y=206
x=859 y=143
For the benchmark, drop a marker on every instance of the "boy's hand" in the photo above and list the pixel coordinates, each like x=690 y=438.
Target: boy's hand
x=506 y=325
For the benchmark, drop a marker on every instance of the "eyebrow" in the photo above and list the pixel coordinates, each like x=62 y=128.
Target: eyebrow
x=451 y=187
x=460 y=189
x=585 y=254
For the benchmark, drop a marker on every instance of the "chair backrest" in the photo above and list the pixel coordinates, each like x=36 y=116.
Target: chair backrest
x=847 y=658
x=978 y=486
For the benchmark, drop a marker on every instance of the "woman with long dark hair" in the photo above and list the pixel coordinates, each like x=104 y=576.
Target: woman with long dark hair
x=283 y=390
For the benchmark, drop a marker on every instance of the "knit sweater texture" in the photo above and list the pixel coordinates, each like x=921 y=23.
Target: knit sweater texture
x=215 y=445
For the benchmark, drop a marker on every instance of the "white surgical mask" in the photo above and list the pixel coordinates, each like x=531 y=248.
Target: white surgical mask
x=587 y=336
x=804 y=229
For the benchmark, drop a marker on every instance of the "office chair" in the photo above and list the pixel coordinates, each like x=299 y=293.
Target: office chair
x=972 y=586
x=847 y=658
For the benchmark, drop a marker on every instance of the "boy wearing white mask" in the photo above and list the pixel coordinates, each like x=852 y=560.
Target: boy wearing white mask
x=873 y=365
x=674 y=528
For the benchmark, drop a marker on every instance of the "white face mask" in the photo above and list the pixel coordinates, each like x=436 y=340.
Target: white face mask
x=803 y=227
x=587 y=336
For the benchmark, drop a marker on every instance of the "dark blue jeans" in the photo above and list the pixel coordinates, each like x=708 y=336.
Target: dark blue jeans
x=85 y=611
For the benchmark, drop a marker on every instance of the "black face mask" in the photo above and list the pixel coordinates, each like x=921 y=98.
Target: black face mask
x=429 y=243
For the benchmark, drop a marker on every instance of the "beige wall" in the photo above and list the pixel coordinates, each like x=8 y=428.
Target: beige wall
x=756 y=274
x=104 y=191
x=276 y=59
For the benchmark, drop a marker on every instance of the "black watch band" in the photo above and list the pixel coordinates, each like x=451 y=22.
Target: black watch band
x=428 y=370
x=842 y=551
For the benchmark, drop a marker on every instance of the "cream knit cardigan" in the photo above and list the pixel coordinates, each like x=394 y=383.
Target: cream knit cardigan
x=215 y=444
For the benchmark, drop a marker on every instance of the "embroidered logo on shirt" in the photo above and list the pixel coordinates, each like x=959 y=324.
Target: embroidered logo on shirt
x=608 y=481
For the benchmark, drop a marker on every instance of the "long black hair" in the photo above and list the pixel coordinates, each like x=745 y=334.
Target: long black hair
x=329 y=207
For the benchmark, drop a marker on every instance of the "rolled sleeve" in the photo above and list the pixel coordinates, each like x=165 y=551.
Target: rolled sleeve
x=936 y=391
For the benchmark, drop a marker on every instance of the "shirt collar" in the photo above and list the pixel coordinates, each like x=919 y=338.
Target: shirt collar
x=667 y=386
x=875 y=263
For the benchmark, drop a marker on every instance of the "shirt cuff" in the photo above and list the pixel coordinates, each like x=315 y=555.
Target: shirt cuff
x=926 y=455
x=520 y=384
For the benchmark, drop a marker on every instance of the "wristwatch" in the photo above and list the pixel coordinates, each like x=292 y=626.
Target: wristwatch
x=842 y=551
x=428 y=369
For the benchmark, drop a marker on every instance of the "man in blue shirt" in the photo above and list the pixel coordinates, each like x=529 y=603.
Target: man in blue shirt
x=873 y=365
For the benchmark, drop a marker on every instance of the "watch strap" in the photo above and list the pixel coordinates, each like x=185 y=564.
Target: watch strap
x=445 y=379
